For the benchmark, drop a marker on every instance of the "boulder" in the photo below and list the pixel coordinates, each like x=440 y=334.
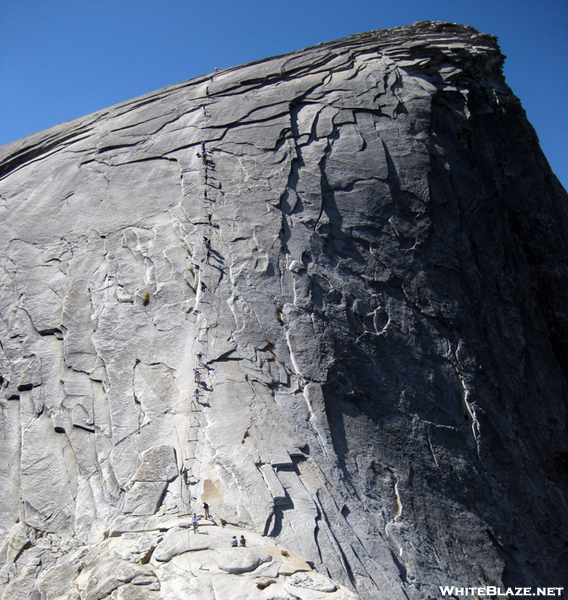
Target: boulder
x=178 y=541
x=240 y=560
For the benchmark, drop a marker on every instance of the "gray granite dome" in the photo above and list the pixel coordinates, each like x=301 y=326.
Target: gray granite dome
x=324 y=293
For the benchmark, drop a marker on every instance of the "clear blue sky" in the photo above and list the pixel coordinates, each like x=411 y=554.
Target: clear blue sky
x=62 y=59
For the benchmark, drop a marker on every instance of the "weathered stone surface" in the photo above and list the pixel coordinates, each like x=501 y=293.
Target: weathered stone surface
x=224 y=587
x=313 y=581
x=179 y=541
x=277 y=592
x=144 y=498
x=361 y=250
x=21 y=537
x=133 y=593
x=315 y=586
x=158 y=464
x=263 y=582
x=274 y=485
x=240 y=560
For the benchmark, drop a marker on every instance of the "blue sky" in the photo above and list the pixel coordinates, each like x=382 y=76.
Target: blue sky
x=62 y=59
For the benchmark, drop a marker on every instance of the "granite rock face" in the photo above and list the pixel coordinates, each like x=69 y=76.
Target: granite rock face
x=324 y=293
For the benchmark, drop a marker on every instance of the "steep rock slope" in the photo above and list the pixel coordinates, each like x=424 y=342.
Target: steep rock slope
x=361 y=250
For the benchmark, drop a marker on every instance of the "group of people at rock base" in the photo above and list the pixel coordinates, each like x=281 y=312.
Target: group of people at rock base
x=195 y=520
x=235 y=542
x=195 y=523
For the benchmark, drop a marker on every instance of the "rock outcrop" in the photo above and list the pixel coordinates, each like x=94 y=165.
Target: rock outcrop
x=324 y=293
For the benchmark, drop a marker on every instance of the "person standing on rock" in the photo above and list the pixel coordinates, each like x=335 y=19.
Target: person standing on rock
x=206 y=510
x=194 y=522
